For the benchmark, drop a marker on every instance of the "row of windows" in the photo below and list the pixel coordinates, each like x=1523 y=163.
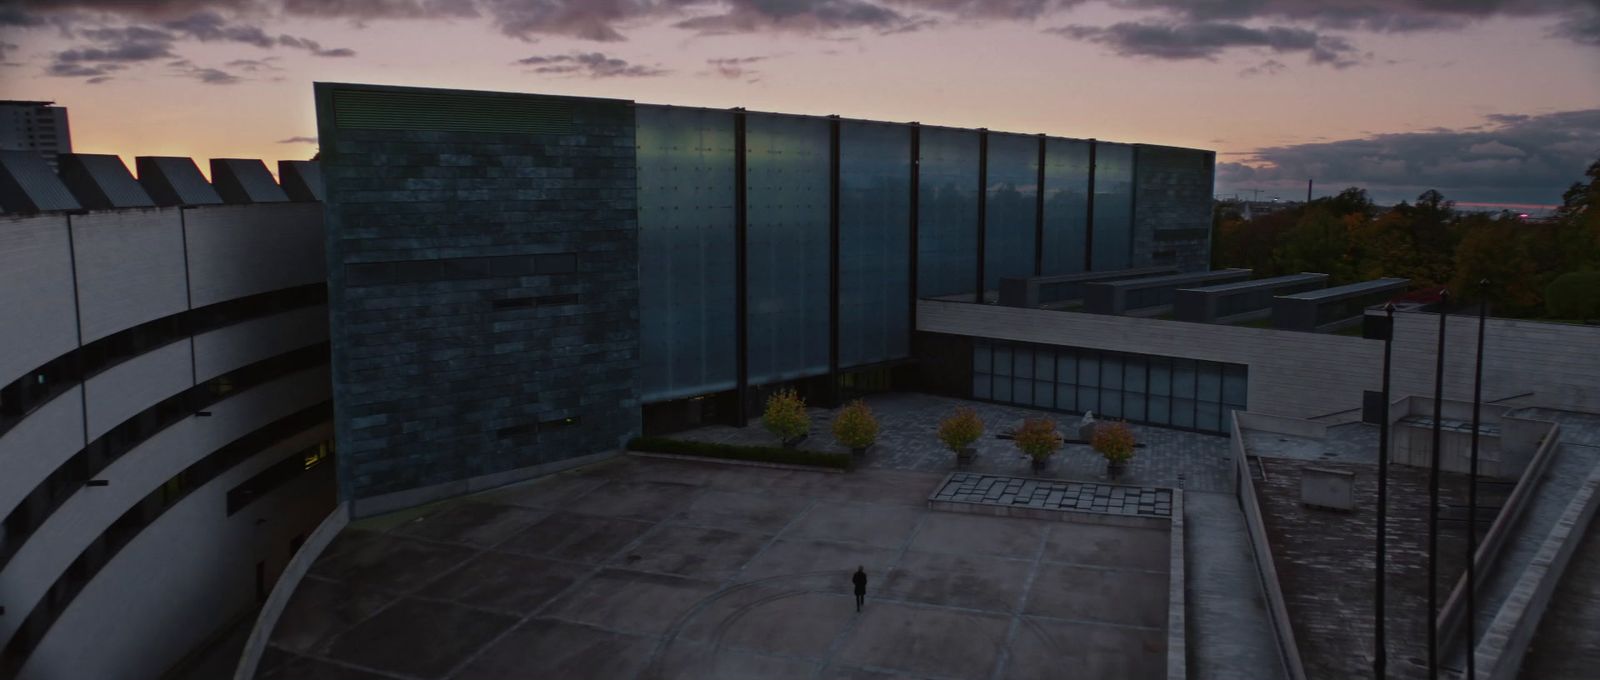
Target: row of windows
x=38 y=386
x=31 y=513
x=1182 y=393
x=157 y=502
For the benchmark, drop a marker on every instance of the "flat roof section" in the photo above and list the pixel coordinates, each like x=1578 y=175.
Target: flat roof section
x=1287 y=279
x=1348 y=290
x=1172 y=279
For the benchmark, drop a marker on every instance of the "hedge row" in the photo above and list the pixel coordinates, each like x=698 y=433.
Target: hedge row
x=760 y=454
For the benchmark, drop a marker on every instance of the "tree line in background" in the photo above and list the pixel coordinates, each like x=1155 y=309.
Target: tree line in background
x=1537 y=268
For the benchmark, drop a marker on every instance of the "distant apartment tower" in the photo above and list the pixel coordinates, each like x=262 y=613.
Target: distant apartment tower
x=35 y=126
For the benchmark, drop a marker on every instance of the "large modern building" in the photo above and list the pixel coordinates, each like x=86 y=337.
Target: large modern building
x=35 y=126
x=490 y=287
x=521 y=279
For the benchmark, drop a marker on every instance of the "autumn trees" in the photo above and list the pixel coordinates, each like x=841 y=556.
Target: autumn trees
x=1430 y=243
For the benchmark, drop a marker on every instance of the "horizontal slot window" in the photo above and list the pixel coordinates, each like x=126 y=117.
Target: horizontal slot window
x=30 y=514
x=38 y=386
x=150 y=508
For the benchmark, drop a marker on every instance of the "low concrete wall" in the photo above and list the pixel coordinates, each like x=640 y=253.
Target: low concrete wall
x=400 y=500
x=1298 y=427
x=1413 y=443
x=1451 y=615
x=1177 y=621
x=1277 y=609
x=1521 y=438
x=1501 y=649
x=288 y=581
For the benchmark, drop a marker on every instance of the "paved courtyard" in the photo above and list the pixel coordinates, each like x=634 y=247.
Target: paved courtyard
x=657 y=569
x=906 y=441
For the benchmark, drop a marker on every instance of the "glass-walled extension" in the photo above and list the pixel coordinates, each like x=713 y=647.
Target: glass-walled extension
x=779 y=250
x=1181 y=393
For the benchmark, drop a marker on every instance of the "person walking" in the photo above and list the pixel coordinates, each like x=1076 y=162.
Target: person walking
x=860 y=579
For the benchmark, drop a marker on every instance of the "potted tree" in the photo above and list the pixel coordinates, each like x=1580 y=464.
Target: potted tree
x=959 y=431
x=1114 y=441
x=786 y=417
x=856 y=427
x=1038 y=438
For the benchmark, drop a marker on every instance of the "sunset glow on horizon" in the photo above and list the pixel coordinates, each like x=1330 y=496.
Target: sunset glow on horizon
x=1397 y=97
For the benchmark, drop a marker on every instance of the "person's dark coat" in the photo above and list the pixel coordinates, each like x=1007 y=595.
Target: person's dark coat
x=860 y=579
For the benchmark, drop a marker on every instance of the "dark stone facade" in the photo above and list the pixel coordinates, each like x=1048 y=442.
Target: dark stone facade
x=1172 y=207
x=483 y=283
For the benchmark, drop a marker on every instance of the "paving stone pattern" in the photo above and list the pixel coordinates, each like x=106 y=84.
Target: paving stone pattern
x=1324 y=560
x=1047 y=494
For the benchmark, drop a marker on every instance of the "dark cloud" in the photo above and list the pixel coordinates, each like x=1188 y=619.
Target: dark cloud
x=1270 y=67
x=68 y=69
x=989 y=9
x=213 y=27
x=1581 y=27
x=127 y=52
x=1516 y=159
x=591 y=64
x=806 y=16
x=1368 y=15
x=1208 y=39
x=298 y=140
x=606 y=20
x=734 y=68
x=255 y=65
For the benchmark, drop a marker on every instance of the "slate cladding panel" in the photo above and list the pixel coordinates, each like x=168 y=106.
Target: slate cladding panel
x=1172 y=207
x=483 y=291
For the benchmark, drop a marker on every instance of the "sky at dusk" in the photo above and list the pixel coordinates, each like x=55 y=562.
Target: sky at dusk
x=1489 y=101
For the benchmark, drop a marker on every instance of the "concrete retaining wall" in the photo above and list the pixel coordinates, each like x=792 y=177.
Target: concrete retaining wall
x=1277 y=608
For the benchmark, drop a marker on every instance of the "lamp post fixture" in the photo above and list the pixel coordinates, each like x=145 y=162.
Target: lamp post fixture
x=1433 y=495
x=1472 y=486
x=1380 y=641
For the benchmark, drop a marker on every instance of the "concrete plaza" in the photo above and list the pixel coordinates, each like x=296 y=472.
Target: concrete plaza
x=657 y=569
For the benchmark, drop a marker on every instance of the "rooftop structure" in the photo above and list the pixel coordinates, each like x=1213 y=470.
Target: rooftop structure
x=35 y=126
x=1240 y=300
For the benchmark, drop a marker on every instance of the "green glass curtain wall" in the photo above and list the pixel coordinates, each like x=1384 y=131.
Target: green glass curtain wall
x=947 y=229
x=1010 y=208
x=874 y=242
x=1113 y=206
x=686 y=251
x=787 y=244
x=1066 y=205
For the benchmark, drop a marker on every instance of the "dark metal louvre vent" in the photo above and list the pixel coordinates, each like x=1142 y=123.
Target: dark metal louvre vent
x=456 y=112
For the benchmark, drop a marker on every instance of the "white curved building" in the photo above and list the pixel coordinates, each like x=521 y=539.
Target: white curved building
x=165 y=410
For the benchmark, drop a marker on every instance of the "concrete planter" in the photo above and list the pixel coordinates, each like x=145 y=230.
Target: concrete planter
x=964 y=456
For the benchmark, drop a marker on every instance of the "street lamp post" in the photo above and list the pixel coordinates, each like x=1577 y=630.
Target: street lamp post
x=1380 y=641
x=1472 y=488
x=1433 y=495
